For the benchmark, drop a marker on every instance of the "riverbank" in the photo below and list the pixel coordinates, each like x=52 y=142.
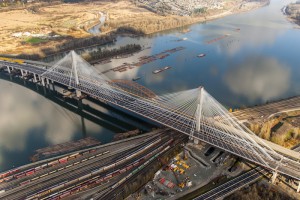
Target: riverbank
x=293 y=12
x=34 y=31
x=277 y=122
x=151 y=22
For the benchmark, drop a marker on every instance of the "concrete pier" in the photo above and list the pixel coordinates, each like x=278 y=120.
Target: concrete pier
x=43 y=81
x=78 y=93
x=34 y=78
x=22 y=72
x=8 y=69
x=274 y=176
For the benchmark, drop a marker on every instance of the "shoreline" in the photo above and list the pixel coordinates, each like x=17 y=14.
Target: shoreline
x=202 y=19
x=290 y=11
x=175 y=23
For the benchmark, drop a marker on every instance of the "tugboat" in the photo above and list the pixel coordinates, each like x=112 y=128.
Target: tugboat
x=157 y=71
x=201 y=55
x=136 y=78
x=161 y=70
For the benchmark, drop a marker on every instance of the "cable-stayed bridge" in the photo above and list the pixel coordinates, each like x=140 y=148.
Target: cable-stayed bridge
x=192 y=112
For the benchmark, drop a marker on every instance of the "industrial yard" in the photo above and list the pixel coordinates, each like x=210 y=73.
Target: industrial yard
x=193 y=168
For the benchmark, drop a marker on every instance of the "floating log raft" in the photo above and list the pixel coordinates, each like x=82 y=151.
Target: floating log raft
x=121 y=136
x=64 y=148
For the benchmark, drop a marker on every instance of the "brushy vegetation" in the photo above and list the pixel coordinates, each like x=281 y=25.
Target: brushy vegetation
x=35 y=40
x=105 y=54
x=259 y=191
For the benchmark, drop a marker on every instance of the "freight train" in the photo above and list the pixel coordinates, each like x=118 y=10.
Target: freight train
x=17 y=173
x=12 y=60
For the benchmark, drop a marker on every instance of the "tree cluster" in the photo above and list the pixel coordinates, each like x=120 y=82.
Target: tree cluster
x=104 y=54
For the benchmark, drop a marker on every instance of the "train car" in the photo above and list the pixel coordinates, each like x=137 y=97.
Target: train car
x=99 y=180
x=25 y=182
x=123 y=170
x=74 y=190
x=105 y=152
x=45 y=165
x=4 y=174
x=129 y=167
x=65 y=194
x=108 y=167
x=30 y=172
x=38 y=168
x=91 y=157
x=52 y=172
x=35 y=178
x=8 y=178
x=115 y=173
x=93 y=150
x=63 y=160
x=15 y=170
x=20 y=175
x=53 y=163
x=74 y=155
x=45 y=193
x=44 y=175
x=108 y=176
x=12 y=60
x=51 y=196
x=135 y=171
x=60 y=169
x=100 y=154
x=69 y=165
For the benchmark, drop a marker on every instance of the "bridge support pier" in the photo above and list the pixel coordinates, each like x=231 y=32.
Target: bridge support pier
x=22 y=73
x=78 y=93
x=198 y=114
x=196 y=141
x=8 y=69
x=274 y=176
x=47 y=81
x=43 y=81
x=298 y=189
x=34 y=78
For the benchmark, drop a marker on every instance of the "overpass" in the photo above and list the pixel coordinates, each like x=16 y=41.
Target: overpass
x=193 y=112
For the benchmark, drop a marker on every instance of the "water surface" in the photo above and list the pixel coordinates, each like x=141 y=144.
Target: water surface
x=258 y=61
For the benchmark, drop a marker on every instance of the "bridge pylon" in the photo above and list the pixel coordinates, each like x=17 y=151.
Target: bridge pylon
x=199 y=112
x=74 y=68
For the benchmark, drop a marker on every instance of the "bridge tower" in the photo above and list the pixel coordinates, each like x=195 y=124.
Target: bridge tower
x=199 y=112
x=8 y=69
x=74 y=68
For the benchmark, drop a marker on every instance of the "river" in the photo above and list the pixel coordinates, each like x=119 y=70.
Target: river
x=257 y=60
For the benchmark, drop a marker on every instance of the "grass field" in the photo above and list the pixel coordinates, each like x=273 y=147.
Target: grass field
x=35 y=40
x=73 y=20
